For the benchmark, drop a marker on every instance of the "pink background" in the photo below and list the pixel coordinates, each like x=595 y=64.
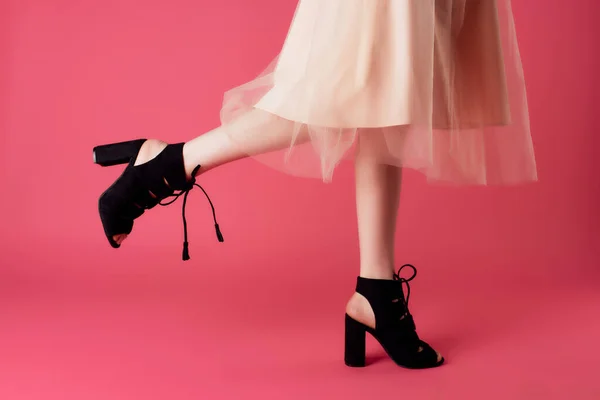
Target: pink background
x=508 y=277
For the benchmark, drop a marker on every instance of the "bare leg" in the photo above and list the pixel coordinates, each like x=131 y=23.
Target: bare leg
x=256 y=133
x=377 y=199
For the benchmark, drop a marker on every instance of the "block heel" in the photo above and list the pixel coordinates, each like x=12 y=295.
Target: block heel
x=354 y=343
x=117 y=153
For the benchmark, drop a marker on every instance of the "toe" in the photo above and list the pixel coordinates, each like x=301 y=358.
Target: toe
x=119 y=238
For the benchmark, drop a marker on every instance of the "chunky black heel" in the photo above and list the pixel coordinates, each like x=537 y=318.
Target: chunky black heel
x=117 y=153
x=394 y=329
x=354 y=348
x=142 y=187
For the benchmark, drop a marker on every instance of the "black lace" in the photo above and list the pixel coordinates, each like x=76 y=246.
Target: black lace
x=406 y=281
x=185 y=192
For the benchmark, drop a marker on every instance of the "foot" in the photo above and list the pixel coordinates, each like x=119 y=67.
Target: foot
x=360 y=310
x=149 y=150
x=157 y=176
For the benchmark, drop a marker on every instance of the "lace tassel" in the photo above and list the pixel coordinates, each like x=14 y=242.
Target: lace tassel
x=186 y=252
x=219 y=234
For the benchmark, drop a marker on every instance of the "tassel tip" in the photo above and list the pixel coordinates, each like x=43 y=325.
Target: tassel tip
x=219 y=234
x=186 y=253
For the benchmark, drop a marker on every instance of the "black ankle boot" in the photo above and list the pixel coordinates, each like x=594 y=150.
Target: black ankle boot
x=144 y=186
x=395 y=328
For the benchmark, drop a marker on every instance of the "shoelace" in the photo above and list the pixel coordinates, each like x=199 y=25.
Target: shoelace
x=185 y=192
x=413 y=337
x=406 y=281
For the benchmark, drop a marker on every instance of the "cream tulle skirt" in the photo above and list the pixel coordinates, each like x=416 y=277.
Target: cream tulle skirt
x=432 y=85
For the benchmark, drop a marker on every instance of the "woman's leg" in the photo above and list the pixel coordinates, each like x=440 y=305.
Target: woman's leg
x=377 y=199
x=255 y=132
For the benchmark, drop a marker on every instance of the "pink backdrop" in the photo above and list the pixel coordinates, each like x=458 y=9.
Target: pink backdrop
x=74 y=74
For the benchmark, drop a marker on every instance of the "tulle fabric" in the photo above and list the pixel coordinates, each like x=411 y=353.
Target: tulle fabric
x=432 y=85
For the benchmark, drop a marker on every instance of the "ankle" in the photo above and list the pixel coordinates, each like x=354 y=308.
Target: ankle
x=190 y=162
x=377 y=273
x=381 y=267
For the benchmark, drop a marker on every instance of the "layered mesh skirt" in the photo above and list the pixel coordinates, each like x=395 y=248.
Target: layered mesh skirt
x=432 y=85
